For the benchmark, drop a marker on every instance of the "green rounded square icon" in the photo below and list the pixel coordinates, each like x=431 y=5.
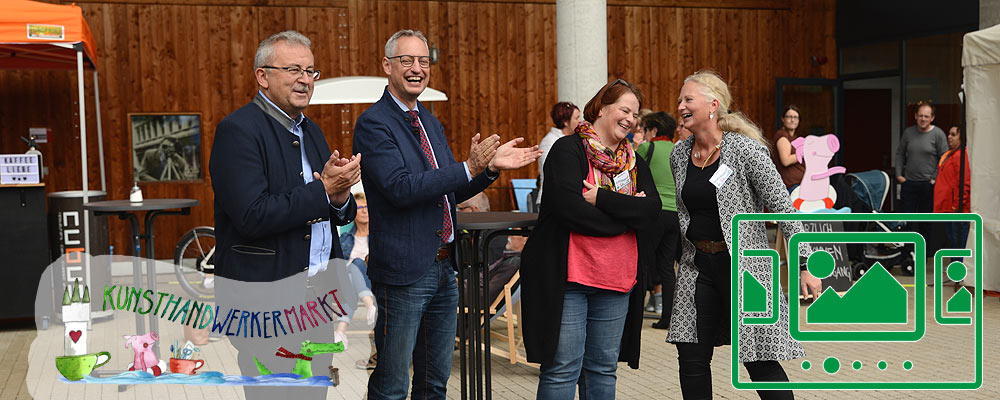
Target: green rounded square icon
x=876 y=298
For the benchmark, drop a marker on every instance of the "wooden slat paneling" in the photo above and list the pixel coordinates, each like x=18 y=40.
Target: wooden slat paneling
x=498 y=66
x=749 y=48
x=248 y=3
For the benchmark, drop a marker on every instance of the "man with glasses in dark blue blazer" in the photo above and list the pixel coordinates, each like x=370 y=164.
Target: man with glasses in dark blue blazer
x=413 y=184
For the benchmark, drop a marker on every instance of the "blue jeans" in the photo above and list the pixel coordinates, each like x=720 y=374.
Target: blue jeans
x=957 y=233
x=590 y=338
x=418 y=321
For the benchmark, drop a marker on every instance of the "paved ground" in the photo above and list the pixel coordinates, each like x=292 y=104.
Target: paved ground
x=944 y=354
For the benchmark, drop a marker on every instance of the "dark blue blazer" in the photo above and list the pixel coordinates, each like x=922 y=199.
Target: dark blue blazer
x=263 y=210
x=404 y=193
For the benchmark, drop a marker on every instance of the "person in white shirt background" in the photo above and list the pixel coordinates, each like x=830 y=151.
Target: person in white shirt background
x=565 y=116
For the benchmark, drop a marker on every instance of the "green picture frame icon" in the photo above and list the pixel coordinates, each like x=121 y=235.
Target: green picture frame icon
x=919 y=275
x=920 y=317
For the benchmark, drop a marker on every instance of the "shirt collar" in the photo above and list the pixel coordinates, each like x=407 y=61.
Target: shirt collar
x=402 y=106
x=278 y=114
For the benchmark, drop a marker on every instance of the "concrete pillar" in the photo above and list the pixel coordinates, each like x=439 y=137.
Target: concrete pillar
x=989 y=13
x=582 y=42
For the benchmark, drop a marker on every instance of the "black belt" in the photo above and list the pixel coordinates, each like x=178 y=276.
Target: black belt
x=443 y=252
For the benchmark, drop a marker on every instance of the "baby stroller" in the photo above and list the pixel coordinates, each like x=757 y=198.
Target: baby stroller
x=870 y=189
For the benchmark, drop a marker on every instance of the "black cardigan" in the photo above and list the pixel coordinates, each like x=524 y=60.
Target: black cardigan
x=543 y=261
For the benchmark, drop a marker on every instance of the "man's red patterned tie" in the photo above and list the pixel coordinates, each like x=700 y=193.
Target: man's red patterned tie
x=425 y=145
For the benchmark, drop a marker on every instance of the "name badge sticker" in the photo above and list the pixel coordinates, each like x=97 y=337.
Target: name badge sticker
x=622 y=179
x=721 y=175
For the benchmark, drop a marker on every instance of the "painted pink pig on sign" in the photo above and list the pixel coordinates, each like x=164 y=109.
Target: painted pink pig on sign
x=816 y=152
x=145 y=360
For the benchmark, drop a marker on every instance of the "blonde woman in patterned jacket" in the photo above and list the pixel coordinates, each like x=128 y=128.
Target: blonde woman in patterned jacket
x=722 y=170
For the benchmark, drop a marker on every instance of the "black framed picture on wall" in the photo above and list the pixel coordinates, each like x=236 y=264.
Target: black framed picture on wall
x=166 y=146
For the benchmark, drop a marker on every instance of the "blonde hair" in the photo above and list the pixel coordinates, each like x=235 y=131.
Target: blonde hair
x=714 y=88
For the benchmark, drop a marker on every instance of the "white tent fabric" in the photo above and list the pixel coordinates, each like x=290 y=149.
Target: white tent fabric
x=360 y=90
x=981 y=64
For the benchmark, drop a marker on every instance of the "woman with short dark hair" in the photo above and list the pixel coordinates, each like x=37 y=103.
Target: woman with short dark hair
x=565 y=117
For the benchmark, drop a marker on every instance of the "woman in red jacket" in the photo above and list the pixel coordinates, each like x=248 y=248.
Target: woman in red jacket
x=947 y=187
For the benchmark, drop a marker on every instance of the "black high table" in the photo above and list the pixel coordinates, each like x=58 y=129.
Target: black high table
x=125 y=209
x=475 y=231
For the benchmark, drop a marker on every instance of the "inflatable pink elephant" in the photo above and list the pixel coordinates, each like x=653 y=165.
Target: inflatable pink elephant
x=816 y=152
x=145 y=360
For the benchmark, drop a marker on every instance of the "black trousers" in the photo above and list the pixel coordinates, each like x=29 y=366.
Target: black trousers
x=712 y=301
x=917 y=197
x=667 y=240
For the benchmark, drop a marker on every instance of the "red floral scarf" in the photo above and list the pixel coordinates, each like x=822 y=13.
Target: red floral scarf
x=609 y=163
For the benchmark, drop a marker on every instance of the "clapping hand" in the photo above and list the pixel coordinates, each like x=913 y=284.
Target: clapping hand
x=339 y=174
x=508 y=156
x=480 y=153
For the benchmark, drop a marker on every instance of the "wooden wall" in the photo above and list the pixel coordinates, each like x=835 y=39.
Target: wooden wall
x=498 y=67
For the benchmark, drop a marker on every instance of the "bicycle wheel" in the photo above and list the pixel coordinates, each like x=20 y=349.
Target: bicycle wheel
x=194 y=262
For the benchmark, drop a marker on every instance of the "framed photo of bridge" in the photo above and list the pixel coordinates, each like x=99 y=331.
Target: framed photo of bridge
x=166 y=146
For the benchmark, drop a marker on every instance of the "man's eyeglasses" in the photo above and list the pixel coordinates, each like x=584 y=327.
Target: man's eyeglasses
x=407 y=60
x=297 y=71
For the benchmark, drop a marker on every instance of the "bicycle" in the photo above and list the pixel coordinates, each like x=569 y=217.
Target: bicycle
x=194 y=262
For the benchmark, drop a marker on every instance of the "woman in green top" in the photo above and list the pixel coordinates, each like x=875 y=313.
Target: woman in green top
x=659 y=128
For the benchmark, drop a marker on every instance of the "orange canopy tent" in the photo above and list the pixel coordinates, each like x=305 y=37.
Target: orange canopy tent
x=42 y=35
x=37 y=35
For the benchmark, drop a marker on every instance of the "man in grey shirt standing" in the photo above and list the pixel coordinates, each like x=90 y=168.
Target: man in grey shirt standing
x=917 y=157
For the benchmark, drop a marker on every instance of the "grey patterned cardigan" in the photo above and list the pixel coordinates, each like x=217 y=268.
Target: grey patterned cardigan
x=755 y=183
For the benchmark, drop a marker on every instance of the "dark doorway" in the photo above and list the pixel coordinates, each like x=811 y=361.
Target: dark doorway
x=866 y=141
x=867 y=136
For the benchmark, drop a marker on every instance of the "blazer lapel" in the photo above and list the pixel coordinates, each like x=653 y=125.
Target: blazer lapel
x=683 y=150
x=436 y=138
x=311 y=142
x=410 y=136
x=289 y=154
x=728 y=156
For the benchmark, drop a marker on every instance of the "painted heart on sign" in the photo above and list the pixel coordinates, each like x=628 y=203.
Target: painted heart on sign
x=75 y=335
